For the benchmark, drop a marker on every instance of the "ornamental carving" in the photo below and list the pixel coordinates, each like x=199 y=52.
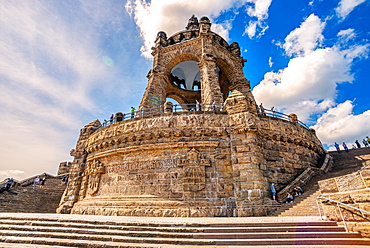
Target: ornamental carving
x=193 y=171
x=94 y=171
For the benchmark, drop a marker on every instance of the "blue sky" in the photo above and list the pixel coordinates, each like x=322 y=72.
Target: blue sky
x=66 y=63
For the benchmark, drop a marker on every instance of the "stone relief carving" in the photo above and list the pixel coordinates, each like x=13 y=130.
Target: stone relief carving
x=194 y=173
x=94 y=171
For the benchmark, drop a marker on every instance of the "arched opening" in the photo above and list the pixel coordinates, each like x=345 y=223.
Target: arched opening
x=186 y=75
x=224 y=71
x=177 y=107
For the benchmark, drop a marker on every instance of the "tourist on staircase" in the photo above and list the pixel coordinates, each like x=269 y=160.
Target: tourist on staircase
x=273 y=191
x=36 y=181
x=42 y=182
x=298 y=190
x=289 y=198
x=9 y=183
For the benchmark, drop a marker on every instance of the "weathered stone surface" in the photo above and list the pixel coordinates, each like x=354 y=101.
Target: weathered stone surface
x=328 y=186
x=349 y=182
x=64 y=168
x=215 y=162
x=362 y=227
x=353 y=192
x=365 y=174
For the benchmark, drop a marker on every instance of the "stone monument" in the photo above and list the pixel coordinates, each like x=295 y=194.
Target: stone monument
x=215 y=156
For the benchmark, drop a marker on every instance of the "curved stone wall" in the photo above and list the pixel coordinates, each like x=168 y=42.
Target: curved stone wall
x=166 y=164
x=191 y=164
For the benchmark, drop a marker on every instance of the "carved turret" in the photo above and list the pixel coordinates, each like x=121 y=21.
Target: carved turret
x=192 y=23
x=205 y=25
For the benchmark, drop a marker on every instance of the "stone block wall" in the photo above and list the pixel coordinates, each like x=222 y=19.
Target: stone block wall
x=64 y=168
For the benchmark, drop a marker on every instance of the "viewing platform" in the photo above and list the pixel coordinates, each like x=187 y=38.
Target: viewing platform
x=177 y=109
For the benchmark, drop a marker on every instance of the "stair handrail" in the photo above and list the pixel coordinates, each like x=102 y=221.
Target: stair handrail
x=306 y=176
x=340 y=211
x=363 y=167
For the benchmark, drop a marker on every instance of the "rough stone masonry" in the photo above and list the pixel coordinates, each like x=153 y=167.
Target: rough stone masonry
x=216 y=157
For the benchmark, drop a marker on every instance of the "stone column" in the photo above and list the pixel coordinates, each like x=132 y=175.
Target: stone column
x=210 y=85
x=247 y=158
x=155 y=92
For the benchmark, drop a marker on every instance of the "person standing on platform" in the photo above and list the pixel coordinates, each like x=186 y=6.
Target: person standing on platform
x=262 y=109
x=337 y=147
x=345 y=147
x=357 y=144
x=132 y=111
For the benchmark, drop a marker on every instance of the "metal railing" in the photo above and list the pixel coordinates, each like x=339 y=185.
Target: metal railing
x=279 y=115
x=176 y=108
x=192 y=107
x=339 y=204
x=363 y=167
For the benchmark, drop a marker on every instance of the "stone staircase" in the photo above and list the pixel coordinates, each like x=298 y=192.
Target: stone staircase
x=344 y=163
x=26 y=199
x=109 y=231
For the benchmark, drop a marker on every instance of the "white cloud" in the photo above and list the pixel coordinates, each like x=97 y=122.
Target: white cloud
x=339 y=124
x=306 y=38
x=4 y=174
x=48 y=67
x=258 y=11
x=307 y=86
x=251 y=29
x=270 y=62
x=171 y=16
x=346 y=35
x=346 y=6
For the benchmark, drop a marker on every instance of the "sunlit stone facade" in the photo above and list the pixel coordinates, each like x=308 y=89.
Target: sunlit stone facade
x=217 y=158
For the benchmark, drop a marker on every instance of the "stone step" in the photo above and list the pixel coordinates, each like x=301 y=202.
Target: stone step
x=103 y=231
x=184 y=222
x=176 y=232
x=84 y=241
x=33 y=200
x=276 y=235
x=65 y=243
x=305 y=204
x=312 y=241
x=106 y=238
